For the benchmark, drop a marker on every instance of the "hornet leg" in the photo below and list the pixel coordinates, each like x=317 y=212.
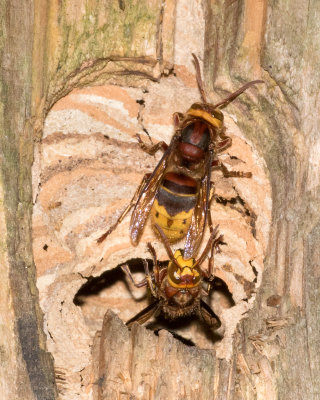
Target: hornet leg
x=125 y=268
x=209 y=317
x=126 y=210
x=144 y=315
x=153 y=148
x=209 y=274
x=230 y=174
x=155 y=264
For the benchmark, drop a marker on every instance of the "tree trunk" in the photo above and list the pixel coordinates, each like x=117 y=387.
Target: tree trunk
x=26 y=368
x=79 y=80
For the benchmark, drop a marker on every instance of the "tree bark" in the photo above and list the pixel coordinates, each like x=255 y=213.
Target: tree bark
x=48 y=49
x=284 y=129
x=26 y=367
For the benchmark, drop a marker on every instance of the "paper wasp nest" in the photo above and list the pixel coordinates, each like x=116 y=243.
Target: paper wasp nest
x=86 y=170
x=90 y=167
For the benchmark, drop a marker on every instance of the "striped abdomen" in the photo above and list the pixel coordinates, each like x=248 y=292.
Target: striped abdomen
x=174 y=204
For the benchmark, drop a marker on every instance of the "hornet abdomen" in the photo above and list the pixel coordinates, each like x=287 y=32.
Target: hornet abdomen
x=174 y=205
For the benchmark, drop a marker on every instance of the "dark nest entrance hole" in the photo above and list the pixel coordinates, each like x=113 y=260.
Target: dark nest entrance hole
x=115 y=281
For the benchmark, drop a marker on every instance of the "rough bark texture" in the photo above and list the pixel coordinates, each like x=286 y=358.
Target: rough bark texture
x=88 y=140
x=88 y=167
x=26 y=368
x=79 y=43
x=156 y=366
x=285 y=130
